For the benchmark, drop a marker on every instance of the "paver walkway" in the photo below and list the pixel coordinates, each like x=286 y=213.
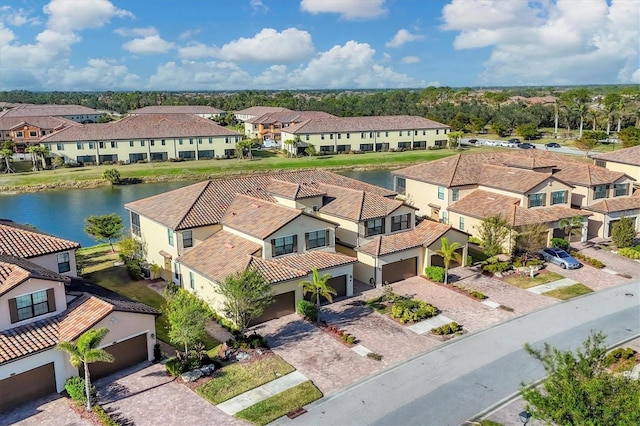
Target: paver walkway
x=252 y=397
x=425 y=326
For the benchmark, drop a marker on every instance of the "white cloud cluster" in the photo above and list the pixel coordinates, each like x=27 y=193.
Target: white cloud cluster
x=347 y=9
x=148 y=41
x=550 y=42
x=17 y=17
x=403 y=36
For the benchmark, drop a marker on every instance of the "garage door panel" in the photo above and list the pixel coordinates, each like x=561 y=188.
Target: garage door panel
x=27 y=386
x=339 y=284
x=283 y=304
x=127 y=353
x=401 y=270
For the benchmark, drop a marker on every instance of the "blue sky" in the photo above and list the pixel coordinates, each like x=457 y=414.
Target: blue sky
x=315 y=44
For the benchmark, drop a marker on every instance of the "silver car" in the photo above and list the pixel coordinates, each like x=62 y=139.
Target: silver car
x=560 y=258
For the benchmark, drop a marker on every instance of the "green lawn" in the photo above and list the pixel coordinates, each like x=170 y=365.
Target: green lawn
x=543 y=277
x=100 y=270
x=570 y=292
x=263 y=161
x=234 y=379
x=266 y=411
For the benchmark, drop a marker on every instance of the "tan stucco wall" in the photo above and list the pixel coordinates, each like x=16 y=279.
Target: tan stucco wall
x=125 y=325
x=299 y=226
x=421 y=194
x=32 y=285
x=633 y=171
x=156 y=238
x=347 y=231
x=63 y=370
x=50 y=261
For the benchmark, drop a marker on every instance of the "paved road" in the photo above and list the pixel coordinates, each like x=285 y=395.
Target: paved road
x=561 y=150
x=456 y=381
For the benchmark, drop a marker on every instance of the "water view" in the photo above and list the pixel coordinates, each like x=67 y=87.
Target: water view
x=62 y=213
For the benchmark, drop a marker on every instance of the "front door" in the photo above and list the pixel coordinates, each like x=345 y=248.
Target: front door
x=167 y=269
x=435 y=214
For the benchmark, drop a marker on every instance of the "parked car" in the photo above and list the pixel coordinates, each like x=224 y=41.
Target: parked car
x=553 y=145
x=492 y=143
x=526 y=146
x=508 y=144
x=473 y=142
x=560 y=258
x=514 y=140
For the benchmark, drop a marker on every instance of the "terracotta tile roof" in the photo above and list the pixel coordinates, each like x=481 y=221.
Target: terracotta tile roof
x=84 y=313
x=46 y=123
x=511 y=179
x=287 y=117
x=145 y=126
x=177 y=109
x=78 y=286
x=257 y=111
x=583 y=174
x=616 y=204
x=220 y=255
x=205 y=203
x=28 y=339
x=356 y=205
x=625 y=156
x=293 y=191
x=32 y=110
x=424 y=234
x=256 y=217
x=364 y=124
x=15 y=270
x=26 y=242
x=481 y=204
x=275 y=272
x=315 y=258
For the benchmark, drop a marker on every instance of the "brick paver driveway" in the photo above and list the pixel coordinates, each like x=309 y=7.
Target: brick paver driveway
x=145 y=395
x=52 y=410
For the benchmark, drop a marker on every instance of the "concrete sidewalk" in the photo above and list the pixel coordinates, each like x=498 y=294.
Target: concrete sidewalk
x=543 y=288
x=252 y=397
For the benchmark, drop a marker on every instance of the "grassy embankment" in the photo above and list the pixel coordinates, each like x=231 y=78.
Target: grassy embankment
x=264 y=161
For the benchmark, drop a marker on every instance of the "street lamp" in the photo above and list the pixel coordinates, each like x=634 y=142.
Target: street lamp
x=524 y=417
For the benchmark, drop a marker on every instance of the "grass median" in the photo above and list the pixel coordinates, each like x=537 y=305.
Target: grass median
x=565 y=293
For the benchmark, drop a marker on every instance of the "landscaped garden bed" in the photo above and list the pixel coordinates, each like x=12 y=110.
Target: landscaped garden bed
x=402 y=309
x=525 y=281
x=448 y=331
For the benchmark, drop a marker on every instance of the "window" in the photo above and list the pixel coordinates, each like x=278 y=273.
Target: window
x=362 y=136
x=601 y=163
x=621 y=189
x=187 y=239
x=113 y=144
x=401 y=185
x=170 y=237
x=366 y=147
x=455 y=194
x=348 y=135
x=317 y=239
x=386 y=134
x=190 y=141
x=330 y=135
x=461 y=227
x=176 y=271
x=306 y=137
x=445 y=217
x=180 y=141
x=63 y=263
x=79 y=145
x=192 y=280
x=400 y=133
x=142 y=142
x=437 y=131
x=374 y=227
x=536 y=200
x=600 y=191
x=370 y=135
x=440 y=193
x=32 y=305
x=162 y=142
x=33 y=133
x=226 y=139
x=322 y=136
x=19 y=134
x=135 y=223
x=284 y=245
x=152 y=142
x=377 y=134
x=92 y=145
x=101 y=145
x=210 y=140
x=400 y=222
x=199 y=141
x=558 y=197
x=60 y=146
x=339 y=135
x=131 y=144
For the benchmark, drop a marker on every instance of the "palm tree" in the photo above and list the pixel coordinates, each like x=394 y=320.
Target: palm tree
x=6 y=155
x=317 y=288
x=448 y=253
x=84 y=351
x=571 y=226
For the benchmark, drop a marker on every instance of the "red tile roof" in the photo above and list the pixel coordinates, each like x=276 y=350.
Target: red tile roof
x=45 y=123
x=423 y=235
x=256 y=217
x=32 y=110
x=177 y=109
x=14 y=271
x=364 y=124
x=257 y=111
x=624 y=156
x=293 y=191
x=27 y=242
x=616 y=204
x=287 y=117
x=511 y=179
x=356 y=205
x=320 y=259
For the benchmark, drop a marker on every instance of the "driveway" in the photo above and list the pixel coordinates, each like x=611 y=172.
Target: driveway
x=145 y=395
x=51 y=410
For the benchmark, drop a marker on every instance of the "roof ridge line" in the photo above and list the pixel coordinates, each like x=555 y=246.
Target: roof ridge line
x=192 y=205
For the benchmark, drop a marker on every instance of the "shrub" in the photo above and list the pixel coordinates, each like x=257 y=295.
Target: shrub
x=619 y=354
x=435 y=273
x=157 y=352
x=408 y=310
x=475 y=240
x=348 y=338
x=307 y=310
x=446 y=329
x=176 y=366
x=477 y=294
x=75 y=388
x=560 y=243
x=134 y=269
x=591 y=261
x=374 y=356
x=623 y=232
x=104 y=417
x=493 y=265
x=630 y=252
x=251 y=341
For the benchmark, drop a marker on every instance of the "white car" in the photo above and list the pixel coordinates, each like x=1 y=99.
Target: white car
x=508 y=144
x=492 y=143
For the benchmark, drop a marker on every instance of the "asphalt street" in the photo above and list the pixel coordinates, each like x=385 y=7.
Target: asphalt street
x=454 y=382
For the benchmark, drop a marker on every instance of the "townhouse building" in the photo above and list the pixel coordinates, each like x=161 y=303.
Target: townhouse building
x=284 y=225
x=78 y=113
x=271 y=125
x=146 y=137
x=203 y=111
x=27 y=131
x=525 y=188
x=625 y=161
x=257 y=111
x=367 y=134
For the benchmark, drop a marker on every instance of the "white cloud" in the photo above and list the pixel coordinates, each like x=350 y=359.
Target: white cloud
x=99 y=74
x=560 y=42
x=186 y=35
x=258 y=6
x=191 y=75
x=197 y=50
x=269 y=46
x=150 y=45
x=17 y=17
x=65 y=16
x=410 y=60
x=403 y=36
x=136 y=32
x=347 y=9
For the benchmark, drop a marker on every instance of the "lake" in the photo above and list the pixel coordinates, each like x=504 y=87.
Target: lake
x=62 y=213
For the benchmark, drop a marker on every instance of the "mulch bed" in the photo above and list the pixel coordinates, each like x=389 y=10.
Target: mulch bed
x=81 y=411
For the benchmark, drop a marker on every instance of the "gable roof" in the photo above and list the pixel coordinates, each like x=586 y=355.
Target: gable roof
x=257 y=111
x=357 y=205
x=32 y=110
x=144 y=126
x=588 y=174
x=46 y=122
x=288 y=117
x=624 y=156
x=27 y=242
x=364 y=124
x=423 y=235
x=14 y=271
x=205 y=203
x=177 y=109
x=511 y=179
x=293 y=191
x=616 y=204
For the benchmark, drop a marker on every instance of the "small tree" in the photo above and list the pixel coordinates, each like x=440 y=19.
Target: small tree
x=310 y=150
x=531 y=238
x=112 y=175
x=571 y=226
x=589 y=140
x=247 y=294
x=528 y=131
x=131 y=248
x=84 y=351
x=57 y=162
x=318 y=287
x=187 y=316
x=630 y=136
x=448 y=253
x=454 y=139
x=494 y=232
x=104 y=228
x=578 y=390
x=623 y=232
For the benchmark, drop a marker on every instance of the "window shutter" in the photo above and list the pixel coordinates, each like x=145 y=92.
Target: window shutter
x=13 y=310
x=306 y=240
x=326 y=238
x=51 y=299
x=273 y=247
x=295 y=243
